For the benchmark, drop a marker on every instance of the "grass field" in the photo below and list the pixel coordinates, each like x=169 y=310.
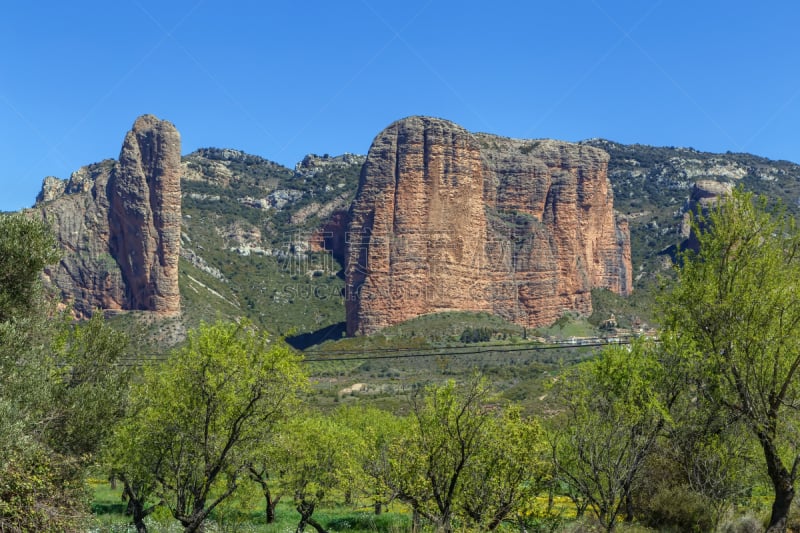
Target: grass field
x=245 y=513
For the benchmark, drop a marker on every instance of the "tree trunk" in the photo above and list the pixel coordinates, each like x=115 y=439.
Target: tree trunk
x=138 y=516
x=270 y=507
x=499 y=516
x=378 y=507
x=496 y=521
x=195 y=526
x=628 y=505
x=316 y=525
x=784 y=494
x=416 y=525
x=136 y=505
x=445 y=523
x=306 y=509
x=196 y=522
x=782 y=484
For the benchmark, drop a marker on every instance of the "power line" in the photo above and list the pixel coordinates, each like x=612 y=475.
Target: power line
x=408 y=353
x=486 y=350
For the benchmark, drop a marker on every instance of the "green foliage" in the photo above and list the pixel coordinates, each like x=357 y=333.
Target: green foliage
x=41 y=491
x=509 y=469
x=705 y=453
x=459 y=458
x=195 y=418
x=733 y=324
x=615 y=407
x=277 y=290
x=629 y=310
x=680 y=509
x=26 y=247
x=569 y=325
x=89 y=386
x=384 y=523
x=317 y=455
x=528 y=148
x=374 y=431
x=476 y=335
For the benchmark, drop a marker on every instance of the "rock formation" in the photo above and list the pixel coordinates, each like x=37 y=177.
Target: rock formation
x=119 y=225
x=332 y=236
x=705 y=194
x=447 y=220
x=145 y=217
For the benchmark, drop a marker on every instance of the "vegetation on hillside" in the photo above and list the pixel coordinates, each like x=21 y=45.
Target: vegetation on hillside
x=251 y=220
x=695 y=431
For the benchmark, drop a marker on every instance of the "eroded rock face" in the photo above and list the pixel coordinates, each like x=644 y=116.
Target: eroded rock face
x=145 y=217
x=448 y=220
x=704 y=196
x=119 y=225
x=332 y=236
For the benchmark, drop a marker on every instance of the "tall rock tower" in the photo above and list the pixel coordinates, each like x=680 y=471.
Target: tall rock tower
x=118 y=223
x=145 y=215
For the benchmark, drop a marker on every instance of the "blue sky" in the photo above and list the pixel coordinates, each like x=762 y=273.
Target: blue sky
x=281 y=79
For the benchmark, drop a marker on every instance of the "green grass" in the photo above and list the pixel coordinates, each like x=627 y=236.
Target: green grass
x=243 y=512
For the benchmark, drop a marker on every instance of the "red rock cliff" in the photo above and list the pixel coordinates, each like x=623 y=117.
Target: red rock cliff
x=447 y=220
x=119 y=225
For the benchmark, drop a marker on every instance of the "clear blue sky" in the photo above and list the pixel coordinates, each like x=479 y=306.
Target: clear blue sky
x=284 y=78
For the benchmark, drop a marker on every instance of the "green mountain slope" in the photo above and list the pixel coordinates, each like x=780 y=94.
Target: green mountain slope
x=247 y=228
x=248 y=225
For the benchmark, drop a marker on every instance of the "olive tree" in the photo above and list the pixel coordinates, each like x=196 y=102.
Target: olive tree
x=89 y=386
x=26 y=247
x=40 y=489
x=734 y=317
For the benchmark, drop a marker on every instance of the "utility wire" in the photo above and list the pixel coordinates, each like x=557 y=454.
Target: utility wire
x=408 y=353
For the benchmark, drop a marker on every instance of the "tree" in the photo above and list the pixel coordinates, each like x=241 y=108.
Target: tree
x=26 y=247
x=733 y=318
x=701 y=465
x=318 y=455
x=614 y=411
x=264 y=472
x=197 y=416
x=462 y=456
x=132 y=461
x=40 y=489
x=444 y=433
x=89 y=386
x=26 y=328
x=375 y=430
x=509 y=468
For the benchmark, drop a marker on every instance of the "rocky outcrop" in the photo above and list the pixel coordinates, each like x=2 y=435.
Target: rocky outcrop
x=704 y=196
x=332 y=236
x=145 y=216
x=312 y=164
x=448 y=220
x=118 y=223
x=52 y=188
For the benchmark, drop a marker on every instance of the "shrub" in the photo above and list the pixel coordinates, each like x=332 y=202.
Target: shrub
x=680 y=509
x=476 y=335
x=743 y=524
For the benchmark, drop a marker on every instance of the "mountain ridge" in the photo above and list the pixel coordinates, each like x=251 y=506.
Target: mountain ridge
x=253 y=243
